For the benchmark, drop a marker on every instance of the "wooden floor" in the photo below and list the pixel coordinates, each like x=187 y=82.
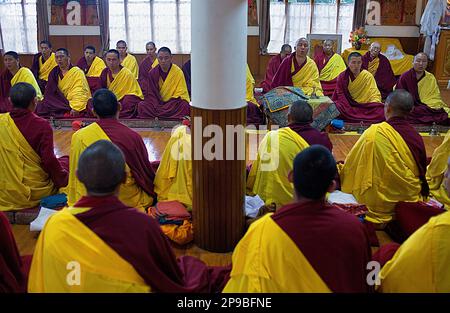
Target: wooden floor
x=155 y=142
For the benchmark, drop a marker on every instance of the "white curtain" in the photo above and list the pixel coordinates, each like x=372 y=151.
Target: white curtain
x=18 y=25
x=166 y=22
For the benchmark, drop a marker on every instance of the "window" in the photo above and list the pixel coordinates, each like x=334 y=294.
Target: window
x=18 y=25
x=166 y=22
x=293 y=19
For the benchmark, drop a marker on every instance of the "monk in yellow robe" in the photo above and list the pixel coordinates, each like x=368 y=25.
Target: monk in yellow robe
x=299 y=70
x=330 y=65
x=43 y=63
x=114 y=247
x=92 y=67
x=306 y=246
x=436 y=171
x=127 y=60
x=388 y=163
x=12 y=75
x=67 y=91
x=428 y=105
x=173 y=180
x=30 y=170
x=137 y=189
x=273 y=65
x=254 y=113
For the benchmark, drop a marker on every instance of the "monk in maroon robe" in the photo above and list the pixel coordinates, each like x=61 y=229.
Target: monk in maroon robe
x=46 y=52
x=92 y=66
x=187 y=75
x=5 y=86
x=381 y=69
x=146 y=66
x=274 y=64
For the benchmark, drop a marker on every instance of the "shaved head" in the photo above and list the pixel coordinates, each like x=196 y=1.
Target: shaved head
x=300 y=112
x=420 y=55
x=401 y=102
x=101 y=168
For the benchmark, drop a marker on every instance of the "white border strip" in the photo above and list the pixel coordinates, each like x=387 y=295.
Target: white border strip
x=64 y=30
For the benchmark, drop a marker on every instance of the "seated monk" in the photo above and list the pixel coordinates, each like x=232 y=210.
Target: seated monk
x=12 y=75
x=92 y=67
x=30 y=170
x=273 y=65
x=254 y=113
x=380 y=67
x=122 y=83
x=187 y=75
x=357 y=96
x=117 y=248
x=146 y=65
x=127 y=60
x=330 y=65
x=436 y=171
x=388 y=163
x=43 y=63
x=428 y=105
x=305 y=246
x=421 y=262
x=173 y=180
x=13 y=268
x=167 y=96
x=137 y=189
x=299 y=70
x=67 y=91
x=268 y=175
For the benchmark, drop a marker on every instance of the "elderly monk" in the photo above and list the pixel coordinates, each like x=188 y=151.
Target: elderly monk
x=30 y=170
x=330 y=65
x=146 y=65
x=428 y=105
x=92 y=67
x=122 y=83
x=268 y=177
x=167 y=96
x=388 y=162
x=307 y=245
x=67 y=91
x=299 y=70
x=43 y=63
x=380 y=67
x=13 y=74
x=137 y=189
x=274 y=64
x=357 y=96
x=117 y=248
x=127 y=60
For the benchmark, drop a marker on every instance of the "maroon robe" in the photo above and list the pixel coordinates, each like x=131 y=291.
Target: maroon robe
x=311 y=135
x=138 y=239
x=335 y=243
x=13 y=268
x=35 y=70
x=94 y=82
x=352 y=111
x=5 y=86
x=385 y=253
x=272 y=69
x=422 y=113
x=187 y=75
x=39 y=134
x=144 y=70
x=384 y=76
x=321 y=60
x=133 y=148
x=153 y=105
x=129 y=102
x=283 y=76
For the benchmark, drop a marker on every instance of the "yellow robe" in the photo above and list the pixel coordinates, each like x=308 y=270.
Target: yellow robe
x=131 y=63
x=124 y=84
x=47 y=67
x=96 y=68
x=66 y=245
x=364 y=88
x=249 y=87
x=307 y=78
x=173 y=180
x=429 y=93
x=436 y=170
x=23 y=182
x=130 y=193
x=155 y=63
x=268 y=177
x=373 y=66
x=75 y=88
x=333 y=68
x=422 y=262
x=380 y=171
x=174 y=86
x=266 y=260
x=24 y=75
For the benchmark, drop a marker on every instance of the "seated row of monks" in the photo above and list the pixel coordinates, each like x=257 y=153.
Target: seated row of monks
x=110 y=180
